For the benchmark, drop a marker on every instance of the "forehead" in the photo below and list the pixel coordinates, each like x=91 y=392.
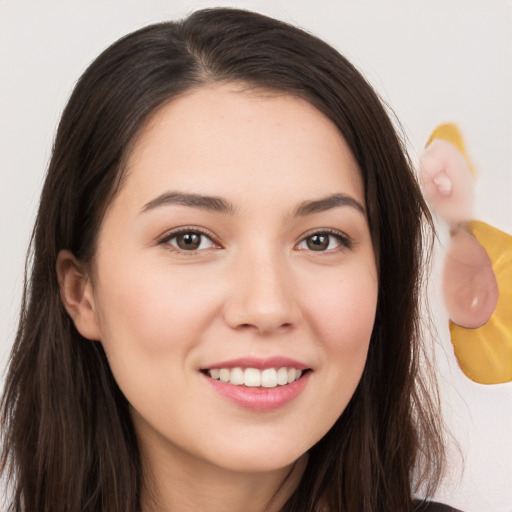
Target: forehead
x=225 y=139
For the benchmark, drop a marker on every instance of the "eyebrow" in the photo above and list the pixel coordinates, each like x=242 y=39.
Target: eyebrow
x=220 y=205
x=327 y=203
x=210 y=203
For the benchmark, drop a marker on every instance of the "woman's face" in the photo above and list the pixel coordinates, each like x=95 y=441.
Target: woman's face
x=236 y=253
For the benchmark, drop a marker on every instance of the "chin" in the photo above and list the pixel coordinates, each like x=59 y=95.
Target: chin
x=259 y=456
x=263 y=462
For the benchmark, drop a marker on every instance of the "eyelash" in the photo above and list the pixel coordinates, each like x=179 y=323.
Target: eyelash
x=343 y=240
x=185 y=231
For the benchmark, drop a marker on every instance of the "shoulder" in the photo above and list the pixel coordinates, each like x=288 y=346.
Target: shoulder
x=432 y=506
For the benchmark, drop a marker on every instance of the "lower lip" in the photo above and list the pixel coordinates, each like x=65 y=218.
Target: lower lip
x=260 y=399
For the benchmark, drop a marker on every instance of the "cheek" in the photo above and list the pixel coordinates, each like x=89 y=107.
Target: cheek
x=343 y=312
x=150 y=329
x=342 y=315
x=153 y=305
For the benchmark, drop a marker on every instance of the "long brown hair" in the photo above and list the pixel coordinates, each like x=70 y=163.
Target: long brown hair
x=69 y=442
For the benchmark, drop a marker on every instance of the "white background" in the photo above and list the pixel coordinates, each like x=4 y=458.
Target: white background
x=432 y=60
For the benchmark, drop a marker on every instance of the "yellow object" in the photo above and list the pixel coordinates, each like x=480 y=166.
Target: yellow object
x=485 y=354
x=451 y=133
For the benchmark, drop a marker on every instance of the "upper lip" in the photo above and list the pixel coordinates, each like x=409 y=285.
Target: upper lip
x=259 y=363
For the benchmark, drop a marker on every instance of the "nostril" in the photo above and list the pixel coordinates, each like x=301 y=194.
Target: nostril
x=263 y=327
x=260 y=312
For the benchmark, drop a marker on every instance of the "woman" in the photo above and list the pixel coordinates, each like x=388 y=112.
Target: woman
x=222 y=312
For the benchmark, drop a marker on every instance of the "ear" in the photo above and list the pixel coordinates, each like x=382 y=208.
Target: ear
x=77 y=295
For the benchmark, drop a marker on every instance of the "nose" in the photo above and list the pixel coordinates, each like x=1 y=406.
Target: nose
x=262 y=295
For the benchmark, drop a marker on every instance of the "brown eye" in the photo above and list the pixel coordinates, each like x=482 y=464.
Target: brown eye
x=324 y=241
x=190 y=241
x=317 y=242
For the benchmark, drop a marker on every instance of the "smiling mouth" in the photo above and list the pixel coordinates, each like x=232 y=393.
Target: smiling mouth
x=255 y=378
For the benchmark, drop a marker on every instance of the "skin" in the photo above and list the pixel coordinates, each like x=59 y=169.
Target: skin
x=253 y=288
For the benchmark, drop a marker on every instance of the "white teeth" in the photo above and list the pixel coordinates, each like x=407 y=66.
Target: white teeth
x=282 y=376
x=269 y=378
x=252 y=377
x=237 y=376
